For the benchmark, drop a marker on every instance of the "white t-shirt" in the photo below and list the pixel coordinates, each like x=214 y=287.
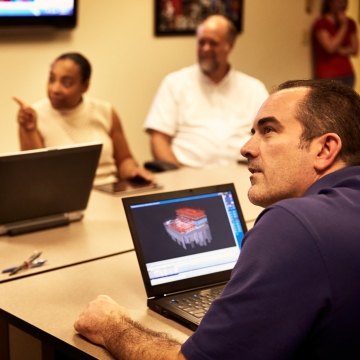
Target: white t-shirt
x=90 y=121
x=208 y=122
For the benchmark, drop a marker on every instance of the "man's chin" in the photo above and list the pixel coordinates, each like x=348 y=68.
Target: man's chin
x=207 y=67
x=257 y=198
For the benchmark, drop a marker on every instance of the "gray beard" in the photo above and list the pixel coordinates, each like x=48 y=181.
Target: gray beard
x=208 y=66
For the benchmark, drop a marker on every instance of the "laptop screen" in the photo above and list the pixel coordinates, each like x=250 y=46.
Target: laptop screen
x=186 y=234
x=46 y=182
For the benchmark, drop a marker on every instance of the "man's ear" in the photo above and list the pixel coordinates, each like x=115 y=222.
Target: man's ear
x=328 y=147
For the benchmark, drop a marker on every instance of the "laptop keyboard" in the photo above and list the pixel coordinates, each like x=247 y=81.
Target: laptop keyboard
x=197 y=303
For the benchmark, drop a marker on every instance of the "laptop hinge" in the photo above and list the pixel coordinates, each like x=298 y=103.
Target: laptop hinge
x=212 y=285
x=22 y=227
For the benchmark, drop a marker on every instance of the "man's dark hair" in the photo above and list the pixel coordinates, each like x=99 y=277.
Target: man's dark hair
x=333 y=107
x=81 y=60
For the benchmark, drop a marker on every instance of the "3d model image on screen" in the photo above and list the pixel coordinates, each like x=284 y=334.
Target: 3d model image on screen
x=189 y=228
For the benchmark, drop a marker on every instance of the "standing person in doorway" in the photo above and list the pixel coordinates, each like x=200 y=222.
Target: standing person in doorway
x=334 y=41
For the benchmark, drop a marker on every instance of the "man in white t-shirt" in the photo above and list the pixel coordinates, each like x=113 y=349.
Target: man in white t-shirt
x=202 y=114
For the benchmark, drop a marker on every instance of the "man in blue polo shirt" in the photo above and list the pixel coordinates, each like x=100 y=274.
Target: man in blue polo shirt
x=294 y=293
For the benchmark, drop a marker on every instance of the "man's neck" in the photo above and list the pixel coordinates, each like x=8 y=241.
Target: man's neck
x=337 y=165
x=219 y=74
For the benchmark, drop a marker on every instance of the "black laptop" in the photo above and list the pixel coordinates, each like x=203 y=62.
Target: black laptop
x=45 y=188
x=186 y=242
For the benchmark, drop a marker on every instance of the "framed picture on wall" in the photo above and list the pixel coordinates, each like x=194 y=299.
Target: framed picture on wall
x=181 y=17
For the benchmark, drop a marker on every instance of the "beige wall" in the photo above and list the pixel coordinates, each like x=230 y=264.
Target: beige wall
x=129 y=61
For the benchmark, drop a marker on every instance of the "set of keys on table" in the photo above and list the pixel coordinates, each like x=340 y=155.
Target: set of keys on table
x=33 y=261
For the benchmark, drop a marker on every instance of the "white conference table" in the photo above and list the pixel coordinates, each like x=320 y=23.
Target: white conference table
x=104 y=231
x=45 y=306
x=87 y=258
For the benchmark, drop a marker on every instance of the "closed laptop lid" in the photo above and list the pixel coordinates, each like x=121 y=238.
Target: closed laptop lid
x=186 y=239
x=45 y=182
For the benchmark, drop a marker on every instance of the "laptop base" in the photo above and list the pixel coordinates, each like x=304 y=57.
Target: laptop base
x=187 y=308
x=170 y=315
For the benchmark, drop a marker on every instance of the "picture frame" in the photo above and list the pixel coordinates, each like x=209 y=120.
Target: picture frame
x=181 y=17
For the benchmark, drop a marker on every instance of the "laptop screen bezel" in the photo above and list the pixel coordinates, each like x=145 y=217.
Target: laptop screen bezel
x=185 y=284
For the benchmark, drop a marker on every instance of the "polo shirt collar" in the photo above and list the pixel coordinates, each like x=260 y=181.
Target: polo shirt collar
x=349 y=175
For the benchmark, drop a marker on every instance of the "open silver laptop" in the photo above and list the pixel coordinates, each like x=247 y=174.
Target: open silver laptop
x=186 y=242
x=45 y=188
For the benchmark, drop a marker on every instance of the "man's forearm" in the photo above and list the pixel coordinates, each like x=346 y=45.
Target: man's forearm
x=131 y=341
x=161 y=150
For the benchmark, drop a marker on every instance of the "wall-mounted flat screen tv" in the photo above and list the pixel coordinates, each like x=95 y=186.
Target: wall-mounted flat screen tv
x=28 y=13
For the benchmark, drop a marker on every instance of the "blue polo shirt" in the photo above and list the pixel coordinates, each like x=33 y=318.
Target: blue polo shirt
x=295 y=290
